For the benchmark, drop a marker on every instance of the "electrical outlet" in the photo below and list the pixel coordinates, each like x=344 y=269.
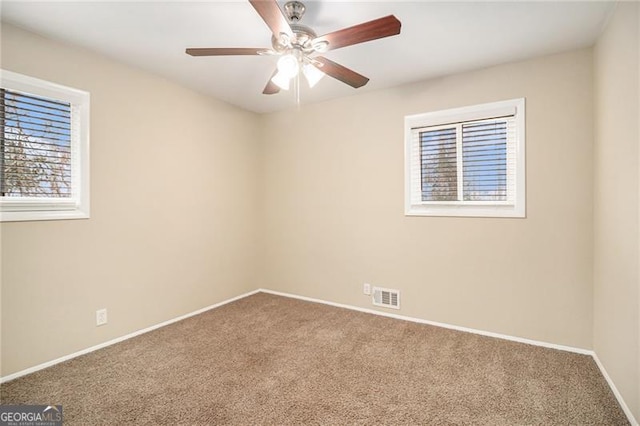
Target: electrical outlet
x=366 y=288
x=101 y=317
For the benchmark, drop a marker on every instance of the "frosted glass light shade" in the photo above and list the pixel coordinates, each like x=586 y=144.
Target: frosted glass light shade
x=312 y=74
x=288 y=65
x=281 y=80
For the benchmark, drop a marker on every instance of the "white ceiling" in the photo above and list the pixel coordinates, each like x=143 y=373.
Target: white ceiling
x=437 y=38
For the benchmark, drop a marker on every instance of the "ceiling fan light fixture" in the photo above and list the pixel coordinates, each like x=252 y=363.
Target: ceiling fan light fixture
x=288 y=65
x=281 y=80
x=312 y=74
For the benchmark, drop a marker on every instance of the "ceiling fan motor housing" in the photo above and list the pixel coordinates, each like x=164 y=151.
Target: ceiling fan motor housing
x=302 y=34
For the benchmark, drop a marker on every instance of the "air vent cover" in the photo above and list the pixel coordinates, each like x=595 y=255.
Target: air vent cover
x=386 y=297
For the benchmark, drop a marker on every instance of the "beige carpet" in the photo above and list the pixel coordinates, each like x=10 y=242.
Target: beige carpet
x=272 y=360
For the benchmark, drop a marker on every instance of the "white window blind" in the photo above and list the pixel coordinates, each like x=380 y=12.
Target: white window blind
x=44 y=150
x=466 y=162
x=488 y=160
x=35 y=146
x=438 y=164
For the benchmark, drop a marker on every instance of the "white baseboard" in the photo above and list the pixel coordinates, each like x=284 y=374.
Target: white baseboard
x=615 y=391
x=119 y=339
x=437 y=324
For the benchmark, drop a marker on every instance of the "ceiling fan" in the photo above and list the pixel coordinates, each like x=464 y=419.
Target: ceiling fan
x=299 y=47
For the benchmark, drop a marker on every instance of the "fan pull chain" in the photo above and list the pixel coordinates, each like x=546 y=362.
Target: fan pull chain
x=296 y=84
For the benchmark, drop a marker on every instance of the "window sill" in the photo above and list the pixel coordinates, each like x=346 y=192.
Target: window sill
x=47 y=209
x=447 y=210
x=42 y=215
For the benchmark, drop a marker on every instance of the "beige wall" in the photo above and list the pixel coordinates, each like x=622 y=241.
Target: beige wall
x=335 y=219
x=173 y=211
x=616 y=171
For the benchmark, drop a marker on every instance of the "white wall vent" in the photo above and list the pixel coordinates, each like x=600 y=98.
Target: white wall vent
x=386 y=297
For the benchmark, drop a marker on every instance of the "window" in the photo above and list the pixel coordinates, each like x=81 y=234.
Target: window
x=466 y=161
x=44 y=150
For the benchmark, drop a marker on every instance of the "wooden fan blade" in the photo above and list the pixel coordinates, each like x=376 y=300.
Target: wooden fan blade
x=272 y=16
x=271 y=88
x=223 y=51
x=372 y=30
x=341 y=73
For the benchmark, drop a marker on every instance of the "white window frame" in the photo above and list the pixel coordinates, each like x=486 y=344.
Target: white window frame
x=450 y=118
x=42 y=208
